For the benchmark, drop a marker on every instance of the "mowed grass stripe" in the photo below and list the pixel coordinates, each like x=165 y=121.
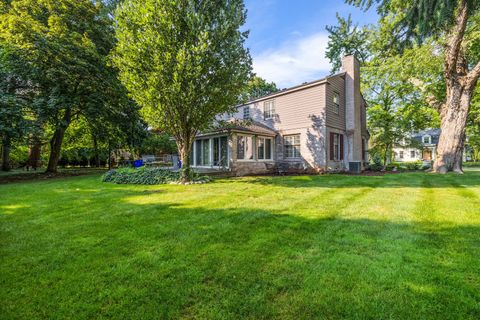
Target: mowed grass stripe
x=333 y=246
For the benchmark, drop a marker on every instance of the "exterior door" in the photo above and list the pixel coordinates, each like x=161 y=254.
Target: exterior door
x=427 y=155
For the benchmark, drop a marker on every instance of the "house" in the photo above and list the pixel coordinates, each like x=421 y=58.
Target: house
x=423 y=147
x=313 y=127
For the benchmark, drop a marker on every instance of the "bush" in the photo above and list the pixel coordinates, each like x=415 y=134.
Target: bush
x=391 y=166
x=376 y=164
x=413 y=165
x=148 y=176
x=471 y=164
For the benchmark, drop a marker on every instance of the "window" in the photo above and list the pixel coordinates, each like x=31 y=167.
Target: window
x=202 y=150
x=220 y=151
x=292 y=146
x=212 y=151
x=264 y=148
x=268 y=109
x=336 y=146
x=246 y=112
x=336 y=102
x=401 y=154
x=412 y=154
x=426 y=140
x=244 y=148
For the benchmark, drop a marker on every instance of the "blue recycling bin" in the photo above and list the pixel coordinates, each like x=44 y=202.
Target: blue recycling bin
x=138 y=163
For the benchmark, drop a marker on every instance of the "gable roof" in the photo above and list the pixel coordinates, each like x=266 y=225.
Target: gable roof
x=293 y=89
x=249 y=127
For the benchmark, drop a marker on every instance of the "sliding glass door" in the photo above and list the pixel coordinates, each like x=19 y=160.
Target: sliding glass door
x=211 y=152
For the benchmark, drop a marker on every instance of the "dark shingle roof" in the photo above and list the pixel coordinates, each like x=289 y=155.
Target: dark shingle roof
x=433 y=133
x=252 y=127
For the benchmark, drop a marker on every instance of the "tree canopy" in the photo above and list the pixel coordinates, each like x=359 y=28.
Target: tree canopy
x=184 y=62
x=452 y=25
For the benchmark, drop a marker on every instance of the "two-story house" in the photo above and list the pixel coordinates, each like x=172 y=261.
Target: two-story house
x=423 y=147
x=313 y=127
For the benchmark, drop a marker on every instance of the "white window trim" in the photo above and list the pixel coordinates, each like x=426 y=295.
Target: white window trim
x=194 y=162
x=429 y=139
x=299 y=146
x=254 y=146
x=271 y=111
x=271 y=148
x=336 y=104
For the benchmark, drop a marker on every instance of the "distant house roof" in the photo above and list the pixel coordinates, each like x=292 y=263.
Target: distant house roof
x=249 y=127
x=433 y=133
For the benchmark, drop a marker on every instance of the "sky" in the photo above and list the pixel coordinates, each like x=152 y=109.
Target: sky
x=288 y=38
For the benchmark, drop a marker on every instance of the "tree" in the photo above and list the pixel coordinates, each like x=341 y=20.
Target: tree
x=473 y=126
x=258 y=87
x=456 y=21
x=183 y=62
x=346 y=38
x=395 y=108
x=14 y=96
x=65 y=44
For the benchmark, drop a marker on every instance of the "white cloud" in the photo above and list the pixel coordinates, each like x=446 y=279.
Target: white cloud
x=294 y=62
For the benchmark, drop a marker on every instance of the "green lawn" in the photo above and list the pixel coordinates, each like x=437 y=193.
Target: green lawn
x=404 y=246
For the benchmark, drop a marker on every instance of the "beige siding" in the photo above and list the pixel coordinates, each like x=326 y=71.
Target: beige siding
x=301 y=112
x=334 y=120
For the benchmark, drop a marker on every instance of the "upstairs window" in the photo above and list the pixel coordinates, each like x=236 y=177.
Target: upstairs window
x=246 y=112
x=292 y=146
x=336 y=102
x=427 y=140
x=268 y=109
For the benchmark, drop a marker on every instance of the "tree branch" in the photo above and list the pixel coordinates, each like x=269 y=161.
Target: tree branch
x=473 y=76
x=456 y=37
x=429 y=97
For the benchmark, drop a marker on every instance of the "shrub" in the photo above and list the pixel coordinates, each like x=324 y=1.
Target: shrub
x=148 y=176
x=471 y=164
x=390 y=166
x=376 y=164
x=413 y=165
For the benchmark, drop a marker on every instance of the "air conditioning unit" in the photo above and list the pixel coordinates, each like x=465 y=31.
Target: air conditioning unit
x=355 y=167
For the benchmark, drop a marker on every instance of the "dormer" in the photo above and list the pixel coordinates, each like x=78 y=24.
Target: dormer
x=427 y=139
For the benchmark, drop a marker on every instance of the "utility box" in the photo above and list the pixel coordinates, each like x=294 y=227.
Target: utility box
x=355 y=166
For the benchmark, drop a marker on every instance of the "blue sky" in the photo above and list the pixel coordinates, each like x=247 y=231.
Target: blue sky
x=288 y=38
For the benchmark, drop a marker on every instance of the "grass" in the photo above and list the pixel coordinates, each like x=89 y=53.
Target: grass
x=400 y=246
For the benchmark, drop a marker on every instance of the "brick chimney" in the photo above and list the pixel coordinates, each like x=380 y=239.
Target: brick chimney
x=353 y=103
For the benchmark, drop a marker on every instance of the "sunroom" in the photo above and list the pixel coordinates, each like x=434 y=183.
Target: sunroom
x=236 y=143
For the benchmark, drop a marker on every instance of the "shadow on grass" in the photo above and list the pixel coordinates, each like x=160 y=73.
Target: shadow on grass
x=400 y=180
x=165 y=260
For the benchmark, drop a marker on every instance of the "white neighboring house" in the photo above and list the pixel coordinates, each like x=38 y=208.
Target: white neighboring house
x=426 y=149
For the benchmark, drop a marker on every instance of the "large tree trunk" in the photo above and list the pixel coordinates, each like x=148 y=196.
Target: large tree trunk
x=184 y=147
x=6 y=143
x=35 y=153
x=56 y=142
x=460 y=85
x=453 y=121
